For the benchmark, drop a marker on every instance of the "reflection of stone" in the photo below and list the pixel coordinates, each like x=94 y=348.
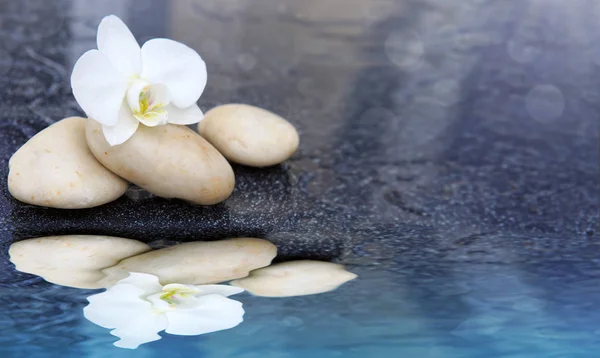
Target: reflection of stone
x=198 y=262
x=295 y=278
x=55 y=168
x=74 y=260
x=138 y=307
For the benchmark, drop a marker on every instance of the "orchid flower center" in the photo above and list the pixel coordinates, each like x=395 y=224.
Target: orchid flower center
x=176 y=295
x=148 y=102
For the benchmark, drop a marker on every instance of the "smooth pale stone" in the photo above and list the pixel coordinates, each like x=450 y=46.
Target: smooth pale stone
x=55 y=168
x=198 y=263
x=72 y=260
x=295 y=278
x=170 y=161
x=249 y=135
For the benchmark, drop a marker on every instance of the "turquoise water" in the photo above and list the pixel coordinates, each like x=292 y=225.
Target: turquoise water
x=459 y=310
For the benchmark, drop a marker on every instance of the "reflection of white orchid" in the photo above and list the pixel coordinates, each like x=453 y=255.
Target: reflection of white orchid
x=121 y=84
x=138 y=307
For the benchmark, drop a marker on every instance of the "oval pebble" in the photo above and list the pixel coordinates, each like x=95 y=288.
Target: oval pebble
x=198 y=263
x=56 y=169
x=249 y=135
x=170 y=161
x=72 y=260
x=295 y=278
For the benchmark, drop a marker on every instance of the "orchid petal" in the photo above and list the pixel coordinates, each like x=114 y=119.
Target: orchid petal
x=184 y=116
x=177 y=66
x=153 y=119
x=160 y=96
x=123 y=130
x=133 y=94
x=116 y=305
x=158 y=303
x=141 y=329
x=124 y=309
x=147 y=282
x=210 y=314
x=118 y=44
x=98 y=87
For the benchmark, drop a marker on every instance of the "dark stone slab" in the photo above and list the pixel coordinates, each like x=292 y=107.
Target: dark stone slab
x=492 y=131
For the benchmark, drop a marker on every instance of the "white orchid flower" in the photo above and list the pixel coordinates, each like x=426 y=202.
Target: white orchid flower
x=121 y=84
x=138 y=307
